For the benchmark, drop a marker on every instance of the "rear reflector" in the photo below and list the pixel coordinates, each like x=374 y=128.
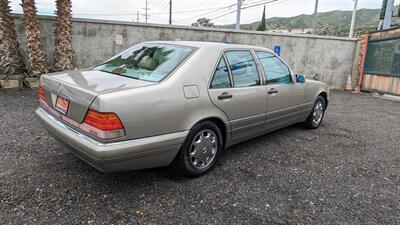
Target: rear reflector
x=41 y=94
x=103 y=125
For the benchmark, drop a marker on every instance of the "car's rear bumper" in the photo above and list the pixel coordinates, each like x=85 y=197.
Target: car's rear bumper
x=141 y=153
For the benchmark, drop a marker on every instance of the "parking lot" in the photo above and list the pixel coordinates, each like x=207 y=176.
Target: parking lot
x=346 y=172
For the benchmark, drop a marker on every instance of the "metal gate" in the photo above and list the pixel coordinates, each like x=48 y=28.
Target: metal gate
x=382 y=65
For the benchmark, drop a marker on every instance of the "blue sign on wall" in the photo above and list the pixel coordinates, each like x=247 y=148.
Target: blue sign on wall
x=277 y=50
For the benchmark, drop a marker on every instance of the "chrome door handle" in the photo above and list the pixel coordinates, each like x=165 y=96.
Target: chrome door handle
x=224 y=95
x=272 y=91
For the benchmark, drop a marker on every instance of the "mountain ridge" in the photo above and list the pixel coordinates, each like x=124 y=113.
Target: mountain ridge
x=336 y=22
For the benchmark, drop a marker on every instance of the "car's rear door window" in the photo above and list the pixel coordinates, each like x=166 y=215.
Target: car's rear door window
x=243 y=68
x=221 y=76
x=150 y=62
x=275 y=70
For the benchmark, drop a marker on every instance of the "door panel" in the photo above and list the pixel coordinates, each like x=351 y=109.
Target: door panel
x=236 y=90
x=245 y=109
x=284 y=107
x=285 y=96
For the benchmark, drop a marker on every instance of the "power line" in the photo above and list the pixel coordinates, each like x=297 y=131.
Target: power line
x=225 y=14
x=198 y=10
x=263 y=3
x=229 y=11
x=225 y=10
x=200 y=4
x=156 y=4
x=252 y=2
x=208 y=14
x=246 y=7
x=161 y=12
x=212 y=12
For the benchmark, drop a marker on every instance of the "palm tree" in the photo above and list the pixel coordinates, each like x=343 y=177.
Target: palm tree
x=11 y=62
x=64 y=54
x=37 y=58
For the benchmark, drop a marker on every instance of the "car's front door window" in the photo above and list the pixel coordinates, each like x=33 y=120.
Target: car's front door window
x=275 y=70
x=243 y=68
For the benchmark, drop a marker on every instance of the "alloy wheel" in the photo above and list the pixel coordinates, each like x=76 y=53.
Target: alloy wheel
x=203 y=149
x=318 y=113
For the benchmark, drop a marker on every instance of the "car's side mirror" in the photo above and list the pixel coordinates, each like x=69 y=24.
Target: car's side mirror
x=316 y=77
x=300 y=78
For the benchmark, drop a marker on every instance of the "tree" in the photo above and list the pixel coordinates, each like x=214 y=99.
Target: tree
x=203 y=22
x=64 y=54
x=37 y=58
x=11 y=62
x=263 y=24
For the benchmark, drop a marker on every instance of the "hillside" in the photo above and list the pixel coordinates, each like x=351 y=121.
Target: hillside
x=336 y=23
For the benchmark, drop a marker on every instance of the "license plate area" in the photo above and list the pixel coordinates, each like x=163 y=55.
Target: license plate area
x=62 y=105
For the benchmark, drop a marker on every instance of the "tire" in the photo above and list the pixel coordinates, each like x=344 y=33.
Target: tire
x=198 y=155
x=317 y=114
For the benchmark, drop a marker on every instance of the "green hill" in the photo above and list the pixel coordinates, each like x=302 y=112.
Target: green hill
x=335 y=23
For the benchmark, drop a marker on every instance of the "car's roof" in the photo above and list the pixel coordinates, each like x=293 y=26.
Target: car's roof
x=203 y=44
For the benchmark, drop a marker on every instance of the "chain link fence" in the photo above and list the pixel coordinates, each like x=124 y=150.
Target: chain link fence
x=383 y=57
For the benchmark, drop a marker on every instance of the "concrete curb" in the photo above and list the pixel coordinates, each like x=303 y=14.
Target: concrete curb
x=7 y=84
x=18 y=81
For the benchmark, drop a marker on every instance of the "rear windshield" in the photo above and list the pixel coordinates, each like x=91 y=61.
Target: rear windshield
x=150 y=62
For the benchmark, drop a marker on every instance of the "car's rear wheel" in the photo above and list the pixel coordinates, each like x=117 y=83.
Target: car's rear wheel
x=201 y=150
x=314 y=120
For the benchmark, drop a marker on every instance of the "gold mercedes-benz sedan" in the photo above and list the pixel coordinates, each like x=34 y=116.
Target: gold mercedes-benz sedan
x=181 y=103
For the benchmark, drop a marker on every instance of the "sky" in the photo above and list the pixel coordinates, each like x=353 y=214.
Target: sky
x=186 y=12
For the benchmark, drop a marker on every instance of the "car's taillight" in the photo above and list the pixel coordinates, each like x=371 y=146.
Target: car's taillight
x=103 y=125
x=41 y=94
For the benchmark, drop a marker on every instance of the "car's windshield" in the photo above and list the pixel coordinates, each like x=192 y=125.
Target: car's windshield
x=150 y=62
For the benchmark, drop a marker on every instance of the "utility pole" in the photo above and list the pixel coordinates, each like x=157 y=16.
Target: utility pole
x=145 y=15
x=353 y=19
x=239 y=6
x=314 y=22
x=387 y=21
x=170 y=12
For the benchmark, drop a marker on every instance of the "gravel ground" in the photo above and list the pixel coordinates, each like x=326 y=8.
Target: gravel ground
x=346 y=172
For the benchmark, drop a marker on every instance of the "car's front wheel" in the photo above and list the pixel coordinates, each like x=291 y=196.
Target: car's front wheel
x=314 y=120
x=201 y=150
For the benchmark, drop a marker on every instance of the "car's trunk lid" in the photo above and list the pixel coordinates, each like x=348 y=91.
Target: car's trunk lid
x=80 y=88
